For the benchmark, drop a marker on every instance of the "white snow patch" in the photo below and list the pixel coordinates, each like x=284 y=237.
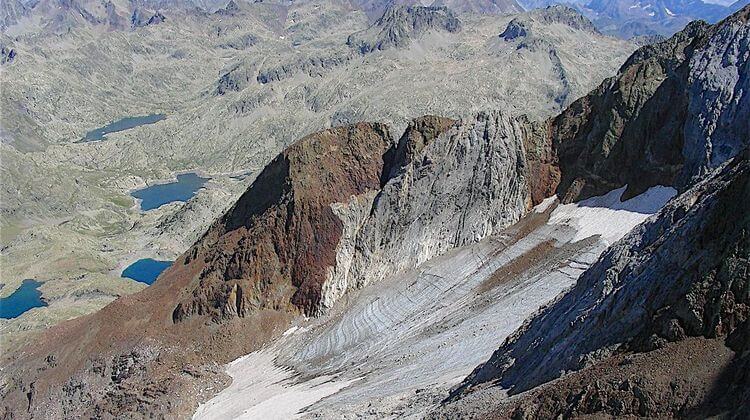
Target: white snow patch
x=608 y=216
x=544 y=205
x=262 y=390
x=290 y=331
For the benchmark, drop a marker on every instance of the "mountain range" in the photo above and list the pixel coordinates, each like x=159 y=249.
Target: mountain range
x=623 y=18
x=630 y=18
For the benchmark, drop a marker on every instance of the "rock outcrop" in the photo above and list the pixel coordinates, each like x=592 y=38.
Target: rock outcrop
x=236 y=78
x=555 y=14
x=670 y=115
x=7 y=54
x=278 y=240
x=450 y=187
x=140 y=19
x=311 y=66
x=400 y=25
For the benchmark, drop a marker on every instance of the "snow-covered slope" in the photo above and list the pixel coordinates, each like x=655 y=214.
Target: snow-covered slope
x=397 y=346
x=678 y=279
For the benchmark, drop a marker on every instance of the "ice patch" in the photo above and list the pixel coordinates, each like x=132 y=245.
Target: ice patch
x=609 y=217
x=544 y=205
x=262 y=390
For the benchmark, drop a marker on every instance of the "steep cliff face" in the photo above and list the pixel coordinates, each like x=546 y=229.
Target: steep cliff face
x=717 y=125
x=280 y=237
x=447 y=191
x=629 y=129
x=674 y=112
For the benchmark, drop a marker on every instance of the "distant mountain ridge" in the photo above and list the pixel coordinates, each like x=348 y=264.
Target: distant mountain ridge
x=629 y=18
x=59 y=15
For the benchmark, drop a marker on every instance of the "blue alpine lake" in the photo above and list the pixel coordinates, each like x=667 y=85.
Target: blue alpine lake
x=24 y=298
x=146 y=270
x=160 y=194
x=121 y=125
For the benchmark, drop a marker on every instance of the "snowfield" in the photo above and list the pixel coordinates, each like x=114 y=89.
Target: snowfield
x=395 y=347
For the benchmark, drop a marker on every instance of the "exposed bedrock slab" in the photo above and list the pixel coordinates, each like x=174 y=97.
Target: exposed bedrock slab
x=450 y=190
x=675 y=111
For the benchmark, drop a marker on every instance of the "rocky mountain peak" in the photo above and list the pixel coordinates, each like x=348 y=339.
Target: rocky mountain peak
x=399 y=25
x=231 y=9
x=665 y=103
x=555 y=14
x=258 y=255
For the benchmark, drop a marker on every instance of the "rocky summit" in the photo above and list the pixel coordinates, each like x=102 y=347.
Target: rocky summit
x=370 y=210
x=399 y=25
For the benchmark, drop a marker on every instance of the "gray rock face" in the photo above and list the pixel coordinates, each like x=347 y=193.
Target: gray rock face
x=684 y=272
x=400 y=25
x=556 y=14
x=7 y=54
x=717 y=125
x=240 y=42
x=675 y=110
x=481 y=6
x=236 y=78
x=312 y=66
x=452 y=190
x=140 y=19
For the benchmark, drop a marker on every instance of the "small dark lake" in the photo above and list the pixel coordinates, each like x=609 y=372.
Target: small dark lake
x=146 y=270
x=160 y=194
x=121 y=125
x=24 y=298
